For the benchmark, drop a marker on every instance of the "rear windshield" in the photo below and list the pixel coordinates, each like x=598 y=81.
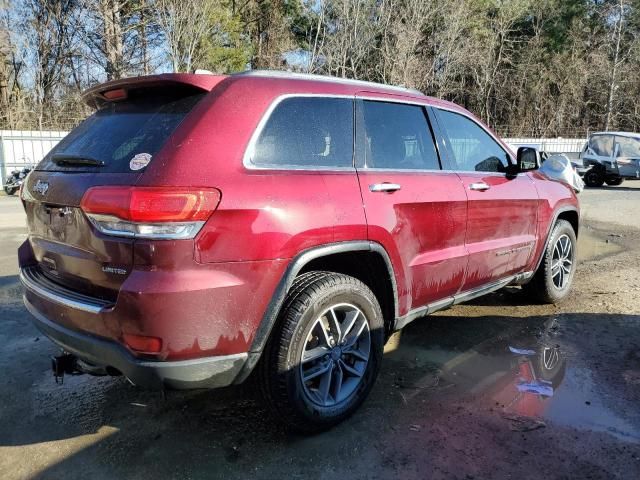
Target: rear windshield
x=118 y=132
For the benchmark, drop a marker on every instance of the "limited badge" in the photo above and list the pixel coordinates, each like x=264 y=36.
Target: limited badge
x=140 y=161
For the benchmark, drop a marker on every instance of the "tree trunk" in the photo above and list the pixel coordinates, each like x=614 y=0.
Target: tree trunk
x=110 y=10
x=614 y=69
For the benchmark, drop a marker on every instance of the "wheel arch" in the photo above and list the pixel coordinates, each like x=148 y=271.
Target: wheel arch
x=362 y=259
x=569 y=214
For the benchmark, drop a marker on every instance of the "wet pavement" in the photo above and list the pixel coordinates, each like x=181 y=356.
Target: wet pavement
x=497 y=388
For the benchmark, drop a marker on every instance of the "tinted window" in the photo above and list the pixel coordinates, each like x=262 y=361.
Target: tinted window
x=397 y=136
x=602 y=145
x=307 y=132
x=120 y=130
x=473 y=149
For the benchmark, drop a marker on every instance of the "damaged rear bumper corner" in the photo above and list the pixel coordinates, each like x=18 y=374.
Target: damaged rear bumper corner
x=208 y=372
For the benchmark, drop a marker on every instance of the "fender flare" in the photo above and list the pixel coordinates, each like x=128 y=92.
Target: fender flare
x=293 y=269
x=556 y=215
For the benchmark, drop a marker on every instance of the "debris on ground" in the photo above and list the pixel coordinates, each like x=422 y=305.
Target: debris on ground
x=521 y=423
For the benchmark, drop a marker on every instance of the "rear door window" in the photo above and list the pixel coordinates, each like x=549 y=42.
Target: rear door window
x=628 y=147
x=396 y=136
x=308 y=132
x=119 y=131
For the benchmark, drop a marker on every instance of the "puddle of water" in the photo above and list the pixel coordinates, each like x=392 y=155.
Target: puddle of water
x=591 y=246
x=578 y=403
x=522 y=371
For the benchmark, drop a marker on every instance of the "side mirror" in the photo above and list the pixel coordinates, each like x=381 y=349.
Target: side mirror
x=528 y=159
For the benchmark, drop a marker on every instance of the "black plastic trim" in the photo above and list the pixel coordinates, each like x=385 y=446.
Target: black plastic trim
x=550 y=228
x=295 y=266
x=208 y=372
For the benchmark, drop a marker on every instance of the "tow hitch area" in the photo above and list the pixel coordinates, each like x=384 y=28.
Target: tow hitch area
x=65 y=363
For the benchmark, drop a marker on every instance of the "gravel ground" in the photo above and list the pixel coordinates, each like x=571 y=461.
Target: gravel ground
x=497 y=388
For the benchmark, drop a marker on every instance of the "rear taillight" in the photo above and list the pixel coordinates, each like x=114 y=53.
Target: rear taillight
x=150 y=212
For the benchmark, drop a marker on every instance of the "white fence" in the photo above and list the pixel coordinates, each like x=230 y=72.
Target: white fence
x=19 y=149
x=23 y=148
x=571 y=146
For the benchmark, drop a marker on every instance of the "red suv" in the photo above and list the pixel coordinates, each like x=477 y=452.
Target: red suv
x=199 y=228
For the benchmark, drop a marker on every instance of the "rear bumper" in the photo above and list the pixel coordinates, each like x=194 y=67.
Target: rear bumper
x=211 y=372
x=206 y=315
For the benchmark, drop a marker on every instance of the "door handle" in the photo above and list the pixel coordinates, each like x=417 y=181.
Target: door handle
x=384 y=187
x=479 y=186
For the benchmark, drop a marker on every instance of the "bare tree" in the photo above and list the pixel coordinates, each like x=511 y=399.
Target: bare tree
x=112 y=36
x=51 y=45
x=5 y=52
x=617 y=15
x=184 y=24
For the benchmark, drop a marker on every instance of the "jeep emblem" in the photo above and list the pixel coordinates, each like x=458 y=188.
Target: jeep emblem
x=41 y=187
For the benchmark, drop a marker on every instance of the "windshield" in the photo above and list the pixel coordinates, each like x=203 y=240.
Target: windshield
x=628 y=147
x=109 y=139
x=602 y=145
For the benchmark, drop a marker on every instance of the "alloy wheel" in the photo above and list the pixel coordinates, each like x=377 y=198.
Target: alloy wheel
x=562 y=262
x=335 y=355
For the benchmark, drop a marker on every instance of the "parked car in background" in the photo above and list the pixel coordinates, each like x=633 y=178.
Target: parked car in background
x=198 y=229
x=611 y=157
x=15 y=180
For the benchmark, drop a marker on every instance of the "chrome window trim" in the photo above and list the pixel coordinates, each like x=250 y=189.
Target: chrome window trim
x=405 y=101
x=425 y=104
x=393 y=170
x=402 y=170
x=250 y=150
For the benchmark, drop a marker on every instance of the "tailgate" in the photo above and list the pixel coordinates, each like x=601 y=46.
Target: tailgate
x=112 y=147
x=67 y=248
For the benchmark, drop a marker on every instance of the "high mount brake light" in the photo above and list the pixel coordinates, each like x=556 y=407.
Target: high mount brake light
x=150 y=212
x=116 y=94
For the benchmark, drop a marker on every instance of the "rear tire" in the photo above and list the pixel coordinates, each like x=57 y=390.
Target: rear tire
x=329 y=323
x=552 y=281
x=614 y=182
x=593 y=179
x=10 y=190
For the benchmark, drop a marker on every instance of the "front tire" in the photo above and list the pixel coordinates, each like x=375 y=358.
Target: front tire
x=552 y=281
x=325 y=352
x=10 y=190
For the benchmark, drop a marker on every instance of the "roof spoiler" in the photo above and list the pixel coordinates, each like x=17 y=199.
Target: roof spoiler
x=116 y=90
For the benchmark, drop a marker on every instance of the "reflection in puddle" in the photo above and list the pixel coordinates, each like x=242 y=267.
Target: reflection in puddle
x=523 y=371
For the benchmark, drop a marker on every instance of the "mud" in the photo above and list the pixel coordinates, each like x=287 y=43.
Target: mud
x=497 y=388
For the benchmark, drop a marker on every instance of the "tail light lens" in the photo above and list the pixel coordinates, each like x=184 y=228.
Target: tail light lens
x=150 y=212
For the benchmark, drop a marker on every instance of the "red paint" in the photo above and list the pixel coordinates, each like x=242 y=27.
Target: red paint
x=501 y=226
x=207 y=296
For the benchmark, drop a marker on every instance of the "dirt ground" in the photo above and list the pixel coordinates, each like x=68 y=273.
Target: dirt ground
x=498 y=388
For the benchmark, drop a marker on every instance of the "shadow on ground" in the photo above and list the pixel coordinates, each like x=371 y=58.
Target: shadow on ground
x=480 y=396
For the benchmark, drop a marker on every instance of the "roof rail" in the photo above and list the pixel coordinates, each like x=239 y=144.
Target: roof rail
x=324 y=78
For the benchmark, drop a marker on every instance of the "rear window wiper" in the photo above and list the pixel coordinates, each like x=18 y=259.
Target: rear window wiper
x=66 y=159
